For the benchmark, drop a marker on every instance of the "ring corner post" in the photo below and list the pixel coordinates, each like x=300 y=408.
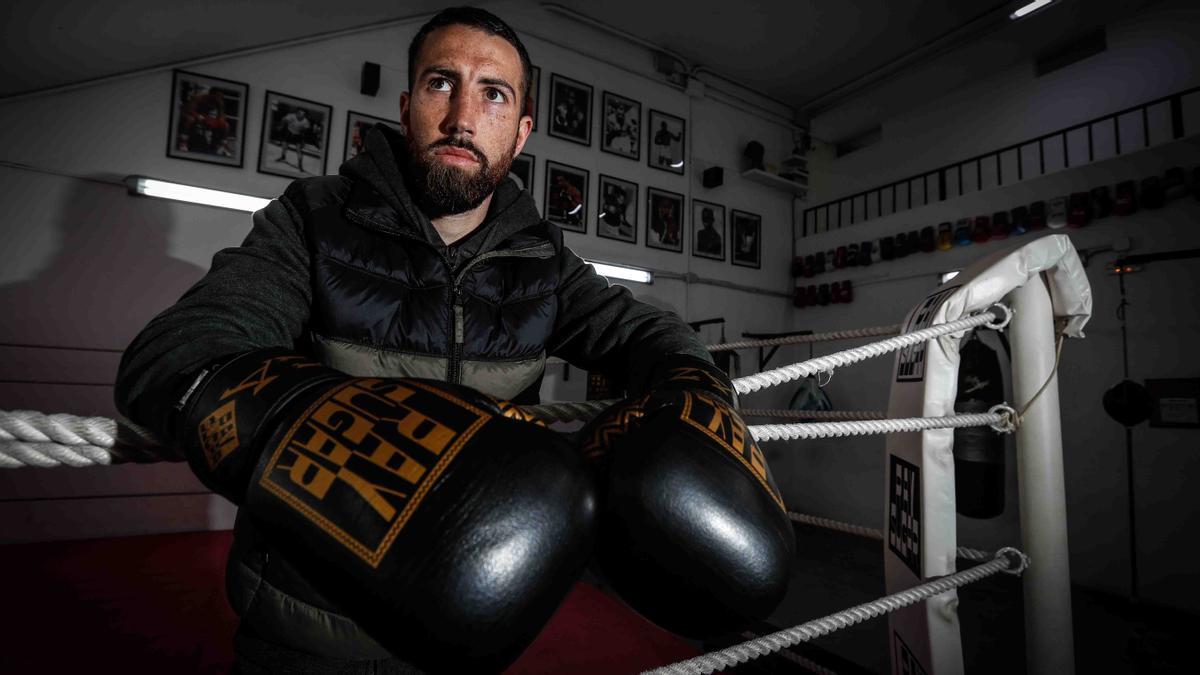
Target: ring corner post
x=1049 y=636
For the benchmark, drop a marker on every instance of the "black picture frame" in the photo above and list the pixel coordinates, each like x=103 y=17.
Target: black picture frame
x=708 y=242
x=521 y=171
x=207 y=119
x=666 y=148
x=570 y=110
x=664 y=220
x=621 y=126
x=535 y=96
x=617 y=210
x=277 y=136
x=357 y=124
x=566 y=196
x=745 y=234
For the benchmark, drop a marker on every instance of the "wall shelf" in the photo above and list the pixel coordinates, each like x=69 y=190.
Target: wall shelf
x=772 y=180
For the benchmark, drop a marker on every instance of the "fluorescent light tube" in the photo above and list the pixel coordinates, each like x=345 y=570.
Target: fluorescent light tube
x=621 y=272
x=1031 y=7
x=151 y=187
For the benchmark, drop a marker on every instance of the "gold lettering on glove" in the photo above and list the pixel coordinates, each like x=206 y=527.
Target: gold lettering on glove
x=702 y=377
x=261 y=376
x=717 y=420
x=218 y=434
x=369 y=446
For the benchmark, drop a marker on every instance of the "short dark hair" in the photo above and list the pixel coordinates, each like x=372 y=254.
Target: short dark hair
x=478 y=19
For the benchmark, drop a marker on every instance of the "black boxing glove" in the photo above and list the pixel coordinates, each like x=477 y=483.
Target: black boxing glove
x=693 y=531
x=447 y=531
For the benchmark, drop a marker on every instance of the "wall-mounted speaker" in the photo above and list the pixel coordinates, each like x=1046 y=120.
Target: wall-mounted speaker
x=370 y=79
x=713 y=176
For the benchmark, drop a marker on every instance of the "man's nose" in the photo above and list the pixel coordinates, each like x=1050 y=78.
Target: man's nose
x=461 y=116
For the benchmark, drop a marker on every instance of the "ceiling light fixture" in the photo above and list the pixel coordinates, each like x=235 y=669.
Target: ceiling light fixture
x=1026 y=10
x=151 y=187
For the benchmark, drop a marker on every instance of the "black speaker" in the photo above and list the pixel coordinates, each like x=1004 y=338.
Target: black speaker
x=714 y=176
x=370 y=78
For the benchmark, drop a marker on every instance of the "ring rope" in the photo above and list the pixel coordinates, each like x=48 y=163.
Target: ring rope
x=1007 y=559
x=1000 y=421
x=792 y=657
x=832 y=415
x=873 y=533
x=874 y=331
x=995 y=317
x=31 y=438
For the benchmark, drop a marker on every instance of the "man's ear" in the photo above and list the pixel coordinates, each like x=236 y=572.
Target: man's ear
x=405 y=99
x=524 y=128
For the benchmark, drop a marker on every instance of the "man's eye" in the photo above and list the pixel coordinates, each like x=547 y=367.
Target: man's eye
x=439 y=84
x=494 y=95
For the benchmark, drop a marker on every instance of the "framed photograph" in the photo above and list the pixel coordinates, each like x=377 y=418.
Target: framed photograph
x=357 y=126
x=521 y=171
x=618 y=209
x=535 y=95
x=566 y=196
x=664 y=220
x=747 y=239
x=208 y=119
x=621 y=126
x=667 y=141
x=295 y=136
x=708 y=230
x=570 y=109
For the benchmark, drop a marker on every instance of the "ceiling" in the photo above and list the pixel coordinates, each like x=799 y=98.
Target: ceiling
x=793 y=52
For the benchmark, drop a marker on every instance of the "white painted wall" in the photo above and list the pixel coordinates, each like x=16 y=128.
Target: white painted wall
x=85 y=266
x=1149 y=56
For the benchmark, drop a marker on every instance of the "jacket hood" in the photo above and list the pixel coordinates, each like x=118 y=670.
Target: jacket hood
x=380 y=168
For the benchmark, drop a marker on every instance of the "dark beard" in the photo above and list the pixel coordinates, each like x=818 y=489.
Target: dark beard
x=441 y=190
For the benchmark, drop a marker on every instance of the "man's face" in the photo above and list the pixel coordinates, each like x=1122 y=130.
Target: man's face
x=463 y=119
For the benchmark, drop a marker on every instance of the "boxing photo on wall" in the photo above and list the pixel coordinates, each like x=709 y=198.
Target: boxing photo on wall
x=618 y=209
x=521 y=171
x=667 y=141
x=664 y=220
x=620 y=126
x=535 y=95
x=708 y=230
x=295 y=136
x=566 y=196
x=570 y=109
x=747 y=239
x=208 y=119
x=357 y=126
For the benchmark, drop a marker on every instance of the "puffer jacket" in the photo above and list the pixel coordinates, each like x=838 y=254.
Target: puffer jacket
x=347 y=269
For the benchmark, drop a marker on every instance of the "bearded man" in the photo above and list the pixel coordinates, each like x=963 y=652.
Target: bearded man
x=419 y=260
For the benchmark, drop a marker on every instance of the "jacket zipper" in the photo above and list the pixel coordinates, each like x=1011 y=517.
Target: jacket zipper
x=454 y=367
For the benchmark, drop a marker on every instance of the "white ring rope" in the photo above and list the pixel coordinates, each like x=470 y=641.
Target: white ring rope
x=1006 y=559
x=832 y=415
x=31 y=438
x=793 y=657
x=1000 y=421
x=874 y=331
x=995 y=317
x=873 y=533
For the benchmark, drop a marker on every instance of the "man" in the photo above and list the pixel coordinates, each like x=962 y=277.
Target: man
x=419 y=260
x=293 y=127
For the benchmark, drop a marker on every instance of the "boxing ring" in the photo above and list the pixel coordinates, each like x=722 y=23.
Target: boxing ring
x=1038 y=291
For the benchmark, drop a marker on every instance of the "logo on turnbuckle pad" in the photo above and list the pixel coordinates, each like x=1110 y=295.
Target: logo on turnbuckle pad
x=373 y=448
x=713 y=418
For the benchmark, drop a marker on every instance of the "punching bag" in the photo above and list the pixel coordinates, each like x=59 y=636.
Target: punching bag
x=978 y=451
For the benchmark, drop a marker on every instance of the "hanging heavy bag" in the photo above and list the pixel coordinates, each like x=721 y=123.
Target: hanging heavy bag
x=978 y=451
